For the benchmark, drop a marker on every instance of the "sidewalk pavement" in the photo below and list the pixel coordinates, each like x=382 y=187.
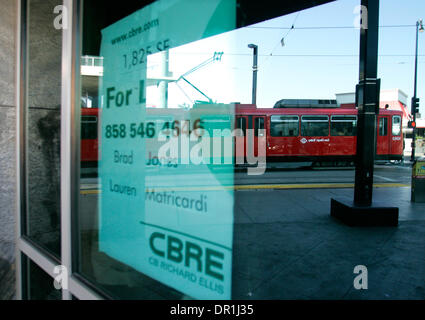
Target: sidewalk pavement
x=288 y=247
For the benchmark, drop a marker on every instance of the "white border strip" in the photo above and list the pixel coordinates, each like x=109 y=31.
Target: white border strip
x=40 y=259
x=76 y=288
x=65 y=157
x=80 y=291
x=68 y=95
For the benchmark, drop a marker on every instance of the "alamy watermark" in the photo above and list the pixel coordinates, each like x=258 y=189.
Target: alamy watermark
x=360 y=21
x=61 y=20
x=361 y=280
x=61 y=279
x=224 y=146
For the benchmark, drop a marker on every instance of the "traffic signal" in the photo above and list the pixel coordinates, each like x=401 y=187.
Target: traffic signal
x=415 y=105
x=411 y=124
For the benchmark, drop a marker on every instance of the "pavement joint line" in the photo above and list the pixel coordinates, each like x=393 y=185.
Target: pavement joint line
x=381 y=247
x=384 y=178
x=285 y=266
x=263 y=186
x=245 y=213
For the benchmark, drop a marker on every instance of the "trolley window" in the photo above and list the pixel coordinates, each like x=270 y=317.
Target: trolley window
x=314 y=126
x=88 y=127
x=241 y=124
x=383 y=126
x=284 y=126
x=396 y=129
x=259 y=124
x=343 y=125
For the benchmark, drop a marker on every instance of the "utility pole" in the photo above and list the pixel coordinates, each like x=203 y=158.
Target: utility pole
x=415 y=105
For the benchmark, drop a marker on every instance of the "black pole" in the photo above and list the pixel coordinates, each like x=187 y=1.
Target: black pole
x=362 y=211
x=367 y=101
x=254 y=72
x=413 y=111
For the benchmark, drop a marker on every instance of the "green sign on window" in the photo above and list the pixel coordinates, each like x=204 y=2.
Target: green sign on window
x=160 y=212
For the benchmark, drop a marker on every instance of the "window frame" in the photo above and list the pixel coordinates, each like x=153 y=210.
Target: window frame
x=28 y=250
x=69 y=152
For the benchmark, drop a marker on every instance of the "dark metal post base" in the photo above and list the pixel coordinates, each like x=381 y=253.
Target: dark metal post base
x=367 y=216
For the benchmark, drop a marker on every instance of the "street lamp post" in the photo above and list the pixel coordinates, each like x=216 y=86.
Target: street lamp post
x=419 y=28
x=254 y=72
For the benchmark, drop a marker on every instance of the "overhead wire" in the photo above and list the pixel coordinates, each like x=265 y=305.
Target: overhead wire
x=281 y=41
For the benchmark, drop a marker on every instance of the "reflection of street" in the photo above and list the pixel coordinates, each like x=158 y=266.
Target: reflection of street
x=386 y=176
x=286 y=246
x=383 y=174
